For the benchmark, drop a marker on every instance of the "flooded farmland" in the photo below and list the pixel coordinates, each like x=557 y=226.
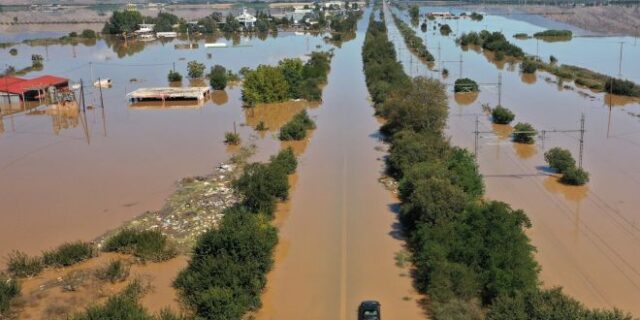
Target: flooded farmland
x=70 y=176
x=588 y=237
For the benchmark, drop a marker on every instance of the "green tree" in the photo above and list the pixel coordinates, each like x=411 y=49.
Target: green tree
x=218 y=77
x=195 y=69
x=524 y=133
x=575 y=176
x=560 y=159
x=292 y=72
x=465 y=85
x=123 y=22
x=88 y=34
x=502 y=115
x=528 y=66
x=174 y=76
x=264 y=85
x=9 y=289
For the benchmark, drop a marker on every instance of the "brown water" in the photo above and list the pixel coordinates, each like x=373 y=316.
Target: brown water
x=588 y=238
x=338 y=234
x=67 y=175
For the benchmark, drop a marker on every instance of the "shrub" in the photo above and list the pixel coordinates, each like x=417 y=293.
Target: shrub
x=195 y=69
x=285 y=160
x=554 y=33
x=73 y=34
x=13 y=51
x=123 y=305
x=296 y=129
x=445 y=29
x=261 y=185
x=115 y=271
x=465 y=85
x=147 y=245
x=521 y=36
x=502 y=115
x=261 y=126
x=68 y=254
x=476 y=16
x=621 y=87
x=218 y=77
x=232 y=138
x=226 y=274
x=9 y=289
x=524 y=133
x=528 y=66
x=559 y=159
x=174 y=76
x=575 y=176
x=88 y=34
x=553 y=59
x=21 y=265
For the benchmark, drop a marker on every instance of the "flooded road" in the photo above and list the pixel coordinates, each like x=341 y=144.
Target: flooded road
x=338 y=236
x=66 y=176
x=588 y=238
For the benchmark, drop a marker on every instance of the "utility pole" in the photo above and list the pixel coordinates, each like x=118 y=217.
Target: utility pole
x=84 y=109
x=91 y=67
x=477 y=132
x=581 y=141
x=620 y=60
x=461 y=65
x=100 y=88
x=499 y=88
x=174 y=66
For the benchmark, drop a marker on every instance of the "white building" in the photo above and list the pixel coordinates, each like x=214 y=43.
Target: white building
x=246 y=19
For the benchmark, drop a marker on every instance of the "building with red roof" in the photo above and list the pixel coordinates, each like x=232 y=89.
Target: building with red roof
x=29 y=89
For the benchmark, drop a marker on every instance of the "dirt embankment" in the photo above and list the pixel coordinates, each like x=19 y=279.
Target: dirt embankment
x=618 y=20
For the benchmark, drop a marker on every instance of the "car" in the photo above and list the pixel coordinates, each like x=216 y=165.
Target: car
x=369 y=310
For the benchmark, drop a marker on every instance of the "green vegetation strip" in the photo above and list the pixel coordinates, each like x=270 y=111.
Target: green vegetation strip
x=471 y=256
x=493 y=41
x=291 y=79
x=227 y=271
x=413 y=42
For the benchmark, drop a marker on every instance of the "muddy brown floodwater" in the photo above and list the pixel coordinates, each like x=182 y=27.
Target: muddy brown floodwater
x=338 y=235
x=588 y=238
x=66 y=175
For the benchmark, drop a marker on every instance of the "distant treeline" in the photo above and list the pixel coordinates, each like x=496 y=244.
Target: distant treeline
x=413 y=42
x=472 y=257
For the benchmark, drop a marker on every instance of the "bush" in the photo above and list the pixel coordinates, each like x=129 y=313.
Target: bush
x=232 y=138
x=476 y=16
x=21 y=265
x=524 y=133
x=521 y=36
x=465 y=85
x=559 y=159
x=88 y=34
x=575 y=176
x=115 y=271
x=73 y=34
x=13 y=51
x=445 y=30
x=226 y=274
x=553 y=59
x=195 y=69
x=621 y=87
x=528 y=66
x=502 y=115
x=68 y=254
x=554 y=33
x=296 y=129
x=218 y=77
x=260 y=186
x=9 y=289
x=123 y=305
x=261 y=126
x=285 y=160
x=147 y=245
x=174 y=76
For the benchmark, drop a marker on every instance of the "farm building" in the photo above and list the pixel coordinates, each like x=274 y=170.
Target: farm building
x=14 y=89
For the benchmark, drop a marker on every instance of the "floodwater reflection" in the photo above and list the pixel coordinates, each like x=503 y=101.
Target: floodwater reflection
x=571 y=193
x=465 y=98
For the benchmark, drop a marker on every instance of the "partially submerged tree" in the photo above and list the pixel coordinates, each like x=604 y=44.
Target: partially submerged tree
x=218 y=77
x=524 y=133
x=560 y=159
x=195 y=69
x=502 y=115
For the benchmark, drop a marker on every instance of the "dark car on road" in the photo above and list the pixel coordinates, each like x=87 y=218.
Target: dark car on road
x=369 y=310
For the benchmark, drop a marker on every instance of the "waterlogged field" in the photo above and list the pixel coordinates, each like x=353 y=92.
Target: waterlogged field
x=587 y=237
x=66 y=175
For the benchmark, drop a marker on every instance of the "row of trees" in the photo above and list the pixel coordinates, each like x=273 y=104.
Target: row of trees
x=227 y=271
x=413 y=41
x=493 y=41
x=472 y=256
x=290 y=79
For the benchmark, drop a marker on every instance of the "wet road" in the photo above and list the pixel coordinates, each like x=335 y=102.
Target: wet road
x=338 y=236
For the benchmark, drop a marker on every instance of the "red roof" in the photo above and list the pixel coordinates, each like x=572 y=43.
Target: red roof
x=19 y=86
